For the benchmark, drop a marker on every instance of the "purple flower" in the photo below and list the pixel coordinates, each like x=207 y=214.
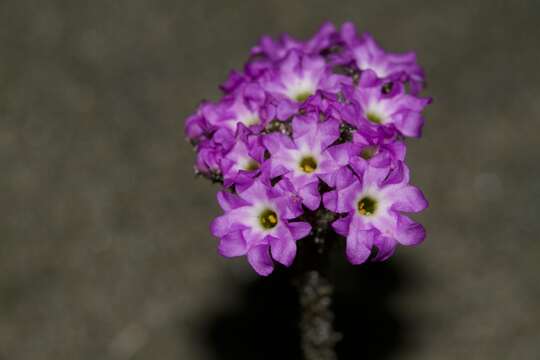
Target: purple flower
x=232 y=83
x=244 y=159
x=306 y=157
x=257 y=223
x=197 y=128
x=243 y=106
x=373 y=201
x=368 y=55
x=376 y=151
x=327 y=105
x=396 y=110
x=265 y=54
x=297 y=77
x=210 y=152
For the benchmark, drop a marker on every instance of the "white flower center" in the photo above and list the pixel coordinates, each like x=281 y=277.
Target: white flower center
x=250 y=120
x=300 y=89
x=375 y=113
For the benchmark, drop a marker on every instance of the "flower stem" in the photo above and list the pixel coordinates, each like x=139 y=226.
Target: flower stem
x=316 y=324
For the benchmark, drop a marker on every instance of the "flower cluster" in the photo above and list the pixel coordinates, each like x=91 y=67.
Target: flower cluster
x=310 y=128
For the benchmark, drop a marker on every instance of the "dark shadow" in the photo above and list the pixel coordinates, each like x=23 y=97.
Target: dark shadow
x=264 y=324
x=371 y=329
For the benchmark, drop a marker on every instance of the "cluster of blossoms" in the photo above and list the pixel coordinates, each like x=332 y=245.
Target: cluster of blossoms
x=313 y=130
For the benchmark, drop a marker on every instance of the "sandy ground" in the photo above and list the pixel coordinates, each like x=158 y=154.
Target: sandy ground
x=105 y=251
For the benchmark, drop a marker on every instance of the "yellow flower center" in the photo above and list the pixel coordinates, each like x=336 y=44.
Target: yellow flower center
x=268 y=219
x=303 y=96
x=251 y=121
x=251 y=165
x=374 y=118
x=368 y=152
x=308 y=164
x=367 y=206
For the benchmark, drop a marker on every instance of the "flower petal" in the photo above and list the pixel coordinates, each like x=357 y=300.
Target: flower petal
x=341 y=225
x=310 y=195
x=232 y=244
x=230 y=221
x=409 y=123
x=359 y=244
x=257 y=191
x=409 y=232
x=259 y=258
x=282 y=248
x=386 y=246
x=409 y=199
x=275 y=142
x=341 y=201
x=229 y=201
x=299 y=230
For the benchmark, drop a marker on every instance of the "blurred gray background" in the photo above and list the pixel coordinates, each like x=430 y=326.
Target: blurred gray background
x=105 y=251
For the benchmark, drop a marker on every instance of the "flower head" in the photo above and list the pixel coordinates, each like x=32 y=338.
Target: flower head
x=311 y=132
